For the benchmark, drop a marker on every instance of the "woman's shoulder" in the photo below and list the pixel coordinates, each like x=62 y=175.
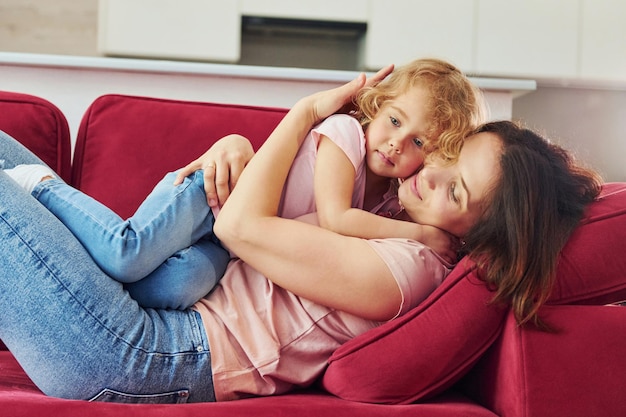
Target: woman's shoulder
x=407 y=250
x=417 y=269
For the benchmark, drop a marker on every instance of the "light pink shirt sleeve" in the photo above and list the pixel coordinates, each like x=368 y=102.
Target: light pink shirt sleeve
x=298 y=196
x=416 y=268
x=346 y=132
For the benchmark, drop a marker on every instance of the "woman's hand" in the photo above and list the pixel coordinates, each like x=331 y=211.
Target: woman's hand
x=379 y=76
x=370 y=82
x=328 y=102
x=223 y=163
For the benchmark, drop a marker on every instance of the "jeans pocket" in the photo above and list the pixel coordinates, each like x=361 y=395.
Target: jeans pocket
x=112 y=396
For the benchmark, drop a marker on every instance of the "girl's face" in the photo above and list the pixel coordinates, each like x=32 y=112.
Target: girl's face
x=452 y=196
x=396 y=136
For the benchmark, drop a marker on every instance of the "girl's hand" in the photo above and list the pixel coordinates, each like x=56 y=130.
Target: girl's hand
x=223 y=163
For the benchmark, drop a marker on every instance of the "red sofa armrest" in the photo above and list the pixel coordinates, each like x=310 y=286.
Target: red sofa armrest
x=40 y=126
x=576 y=371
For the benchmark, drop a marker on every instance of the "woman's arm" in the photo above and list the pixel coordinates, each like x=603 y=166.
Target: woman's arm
x=226 y=159
x=337 y=271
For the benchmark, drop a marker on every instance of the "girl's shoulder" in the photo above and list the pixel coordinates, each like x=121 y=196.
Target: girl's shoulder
x=341 y=128
x=342 y=120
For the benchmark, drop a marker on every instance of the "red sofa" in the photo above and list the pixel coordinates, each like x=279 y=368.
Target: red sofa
x=454 y=355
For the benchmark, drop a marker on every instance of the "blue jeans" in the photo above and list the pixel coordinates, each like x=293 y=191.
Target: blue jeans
x=76 y=332
x=166 y=252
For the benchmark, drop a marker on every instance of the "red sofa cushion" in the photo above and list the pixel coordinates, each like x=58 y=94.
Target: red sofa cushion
x=20 y=398
x=126 y=144
x=40 y=126
x=432 y=346
x=423 y=352
x=592 y=266
x=576 y=372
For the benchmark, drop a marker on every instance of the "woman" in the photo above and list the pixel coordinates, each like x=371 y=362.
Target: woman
x=346 y=172
x=77 y=334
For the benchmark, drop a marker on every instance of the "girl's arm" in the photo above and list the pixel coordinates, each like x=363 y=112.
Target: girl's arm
x=330 y=269
x=334 y=186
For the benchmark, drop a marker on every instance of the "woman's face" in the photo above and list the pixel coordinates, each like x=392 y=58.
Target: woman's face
x=451 y=196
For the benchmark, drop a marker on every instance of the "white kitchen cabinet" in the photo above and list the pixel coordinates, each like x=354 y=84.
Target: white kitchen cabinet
x=603 y=40
x=182 y=29
x=543 y=39
x=399 y=31
x=529 y=38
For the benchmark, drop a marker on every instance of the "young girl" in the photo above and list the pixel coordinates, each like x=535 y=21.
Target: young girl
x=347 y=163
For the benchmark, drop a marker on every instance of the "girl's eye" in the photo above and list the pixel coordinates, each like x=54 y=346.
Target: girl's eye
x=419 y=142
x=453 y=196
x=394 y=121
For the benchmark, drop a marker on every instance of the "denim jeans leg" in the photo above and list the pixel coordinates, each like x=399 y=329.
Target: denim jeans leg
x=74 y=330
x=13 y=153
x=204 y=264
x=170 y=219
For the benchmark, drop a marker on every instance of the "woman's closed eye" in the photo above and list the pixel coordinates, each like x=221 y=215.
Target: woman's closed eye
x=452 y=192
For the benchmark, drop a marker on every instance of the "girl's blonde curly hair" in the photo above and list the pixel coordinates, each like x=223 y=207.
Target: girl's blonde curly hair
x=455 y=109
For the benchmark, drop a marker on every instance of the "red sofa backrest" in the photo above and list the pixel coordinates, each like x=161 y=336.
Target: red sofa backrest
x=592 y=267
x=126 y=144
x=40 y=126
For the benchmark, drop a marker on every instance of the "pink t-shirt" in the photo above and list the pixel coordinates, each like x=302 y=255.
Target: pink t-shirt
x=299 y=196
x=265 y=340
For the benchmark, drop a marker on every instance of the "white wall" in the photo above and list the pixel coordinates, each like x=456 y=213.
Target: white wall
x=72 y=83
x=589 y=121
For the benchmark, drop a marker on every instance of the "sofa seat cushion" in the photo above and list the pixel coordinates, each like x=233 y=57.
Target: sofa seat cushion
x=40 y=126
x=126 y=144
x=20 y=398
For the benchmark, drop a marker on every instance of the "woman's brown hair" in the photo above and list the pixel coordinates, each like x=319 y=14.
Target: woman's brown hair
x=538 y=201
